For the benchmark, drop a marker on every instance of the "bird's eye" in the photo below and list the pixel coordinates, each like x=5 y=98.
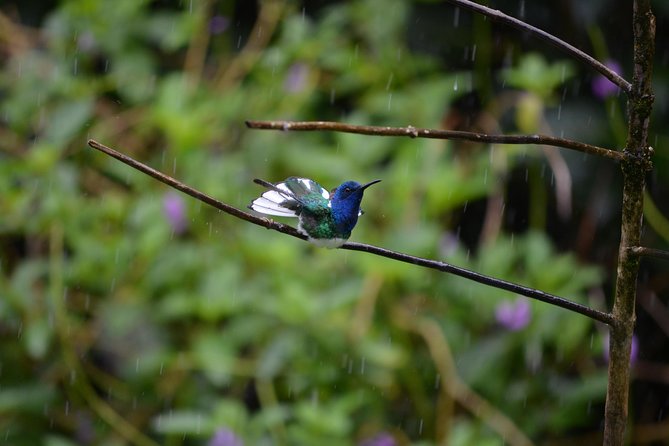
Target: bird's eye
x=348 y=189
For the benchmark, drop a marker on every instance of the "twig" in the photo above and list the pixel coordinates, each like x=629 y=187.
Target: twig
x=481 y=278
x=499 y=16
x=427 y=263
x=650 y=252
x=261 y=221
x=415 y=132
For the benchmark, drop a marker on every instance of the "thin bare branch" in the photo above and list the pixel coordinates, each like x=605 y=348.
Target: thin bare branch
x=415 y=132
x=406 y=258
x=650 y=252
x=499 y=16
x=176 y=184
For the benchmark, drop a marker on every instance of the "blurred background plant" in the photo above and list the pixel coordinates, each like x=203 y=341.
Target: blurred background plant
x=130 y=314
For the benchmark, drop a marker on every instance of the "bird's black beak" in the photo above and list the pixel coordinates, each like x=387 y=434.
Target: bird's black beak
x=365 y=186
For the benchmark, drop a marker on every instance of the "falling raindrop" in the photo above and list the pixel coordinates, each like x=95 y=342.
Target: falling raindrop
x=563 y=75
x=390 y=81
x=456 y=18
x=455 y=84
x=174 y=166
x=521 y=10
x=239 y=42
x=473 y=52
x=162 y=364
x=76 y=65
x=437 y=380
x=332 y=96
x=362 y=366
x=559 y=114
x=420 y=427
x=303 y=14
x=390 y=100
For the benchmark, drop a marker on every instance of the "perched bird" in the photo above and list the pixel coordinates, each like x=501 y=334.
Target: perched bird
x=326 y=219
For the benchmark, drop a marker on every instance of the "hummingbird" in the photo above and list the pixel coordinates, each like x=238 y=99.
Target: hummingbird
x=327 y=219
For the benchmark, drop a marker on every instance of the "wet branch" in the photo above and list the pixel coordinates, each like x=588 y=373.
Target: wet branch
x=499 y=16
x=415 y=132
x=406 y=258
x=634 y=168
x=650 y=252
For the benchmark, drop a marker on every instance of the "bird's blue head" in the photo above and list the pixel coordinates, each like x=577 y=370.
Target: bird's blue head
x=345 y=203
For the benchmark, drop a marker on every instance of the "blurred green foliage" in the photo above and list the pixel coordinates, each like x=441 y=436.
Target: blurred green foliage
x=120 y=326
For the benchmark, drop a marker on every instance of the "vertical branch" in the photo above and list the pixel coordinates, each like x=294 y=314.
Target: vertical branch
x=634 y=168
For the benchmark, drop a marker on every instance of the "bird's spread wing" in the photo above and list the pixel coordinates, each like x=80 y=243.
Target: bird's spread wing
x=288 y=198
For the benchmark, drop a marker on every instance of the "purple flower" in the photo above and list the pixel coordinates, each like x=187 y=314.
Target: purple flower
x=634 y=352
x=382 y=439
x=86 y=42
x=449 y=244
x=175 y=212
x=296 y=77
x=601 y=86
x=225 y=437
x=514 y=315
x=218 y=24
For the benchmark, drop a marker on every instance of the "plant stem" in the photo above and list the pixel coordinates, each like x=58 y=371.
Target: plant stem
x=634 y=168
x=415 y=132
